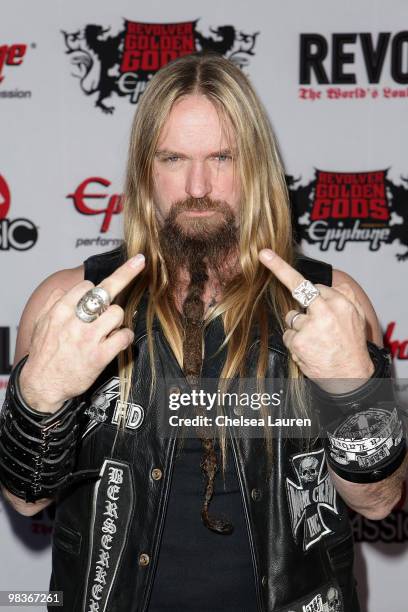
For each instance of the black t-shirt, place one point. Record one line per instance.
(198, 569)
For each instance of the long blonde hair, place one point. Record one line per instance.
(264, 216)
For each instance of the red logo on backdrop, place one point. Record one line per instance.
(340, 207)
(149, 46)
(19, 234)
(4, 198)
(11, 55)
(86, 197)
(350, 196)
(123, 64)
(398, 348)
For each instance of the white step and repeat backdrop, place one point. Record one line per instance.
(334, 79)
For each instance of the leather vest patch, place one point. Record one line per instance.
(105, 406)
(328, 599)
(312, 491)
(112, 508)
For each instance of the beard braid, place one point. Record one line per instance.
(193, 310)
(189, 251)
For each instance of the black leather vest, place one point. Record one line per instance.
(108, 530)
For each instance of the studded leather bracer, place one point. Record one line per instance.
(37, 449)
(363, 430)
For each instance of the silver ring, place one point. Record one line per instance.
(293, 319)
(92, 304)
(305, 293)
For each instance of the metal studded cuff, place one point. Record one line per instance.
(37, 449)
(363, 430)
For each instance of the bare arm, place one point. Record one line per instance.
(374, 501)
(63, 279)
(64, 358)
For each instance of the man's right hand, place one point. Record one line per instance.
(66, 355)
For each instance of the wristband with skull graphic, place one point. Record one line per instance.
(363, 429)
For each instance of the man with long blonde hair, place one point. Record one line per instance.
(207, 285)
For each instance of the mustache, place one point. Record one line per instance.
(201, 204)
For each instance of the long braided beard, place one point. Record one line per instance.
(181, 248)
(193, 310)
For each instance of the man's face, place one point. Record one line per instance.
(194, 165)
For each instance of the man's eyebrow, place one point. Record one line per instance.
(226, 151)
(170, 152)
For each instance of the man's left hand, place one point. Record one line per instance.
(328, 340)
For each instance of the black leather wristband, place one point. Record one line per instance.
(363, 429)
(37, 450)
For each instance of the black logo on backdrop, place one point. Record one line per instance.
(331, 61)
(124, 63)
(340, 207)
(393, 529)
(5, 352)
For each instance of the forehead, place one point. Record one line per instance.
(194, 126)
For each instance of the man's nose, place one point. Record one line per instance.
(198, 180)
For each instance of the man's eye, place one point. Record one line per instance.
(223, 158)
(171, 158)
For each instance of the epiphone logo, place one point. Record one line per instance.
(92, 198)
(11, 55)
